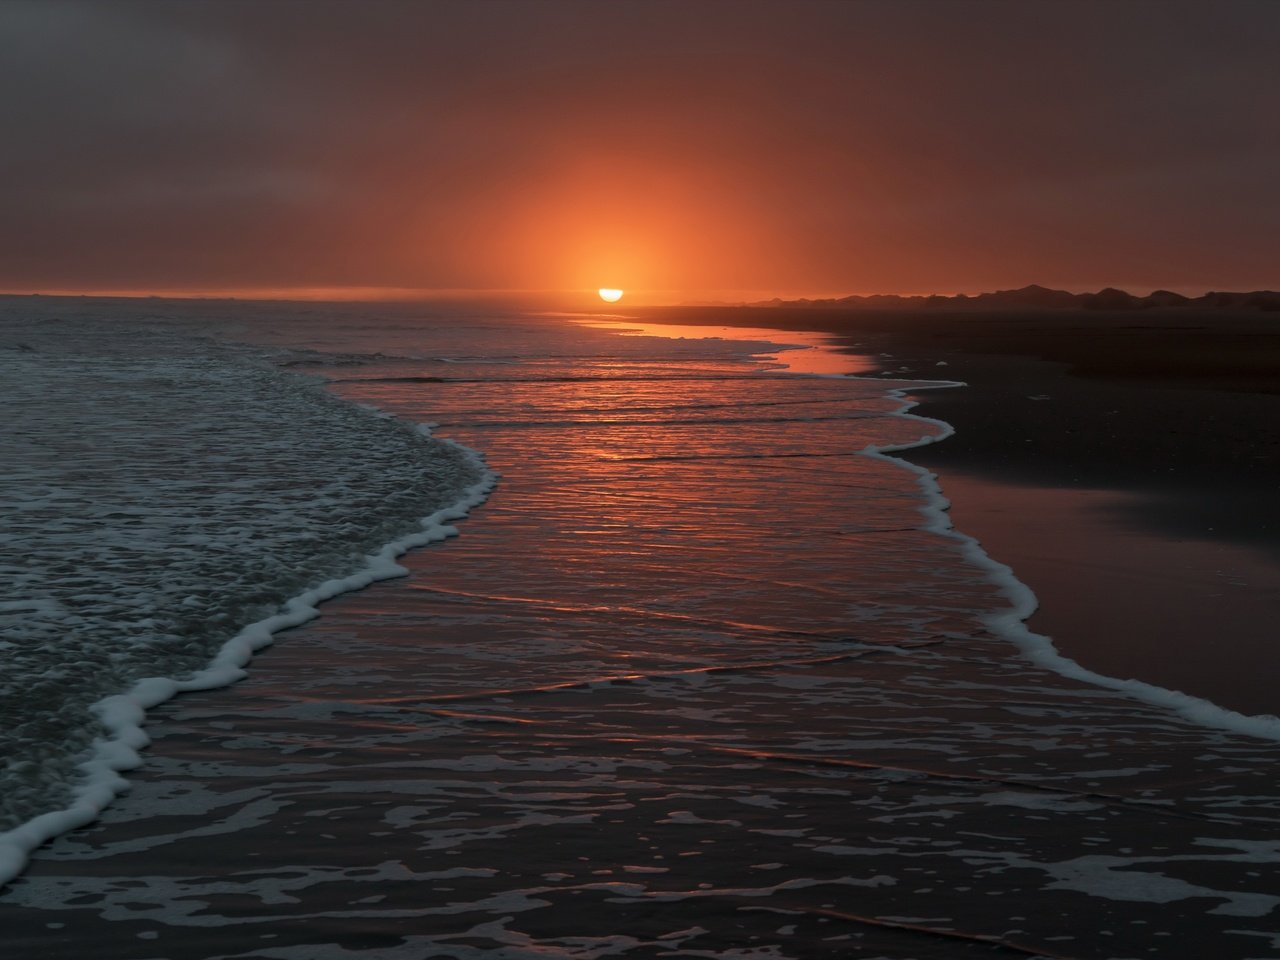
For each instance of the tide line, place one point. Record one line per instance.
(124, 714)
(1010, 624)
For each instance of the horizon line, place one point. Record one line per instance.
(384, 294)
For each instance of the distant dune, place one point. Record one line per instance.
(1035, 297)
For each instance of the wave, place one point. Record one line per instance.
(170, 506)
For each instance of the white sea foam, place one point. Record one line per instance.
(169, 507)
(1011, 623)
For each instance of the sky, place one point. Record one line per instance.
(686, 149)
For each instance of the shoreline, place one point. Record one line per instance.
(125, 714)
(628, 686)
(1153, 537)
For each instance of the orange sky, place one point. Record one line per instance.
(688, 150)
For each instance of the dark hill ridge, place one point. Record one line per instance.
(1036, 297)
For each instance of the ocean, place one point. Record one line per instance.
(692, 663)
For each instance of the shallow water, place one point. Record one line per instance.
(696, 681)
(160, 493)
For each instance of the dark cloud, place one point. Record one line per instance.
(795, 146)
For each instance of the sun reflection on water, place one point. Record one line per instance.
(798, 351)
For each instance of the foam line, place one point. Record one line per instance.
(123, 714)
(1010, 624)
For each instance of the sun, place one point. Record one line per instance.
(609, 295)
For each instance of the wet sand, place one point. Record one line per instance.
(1177, 415)
(1195, 615)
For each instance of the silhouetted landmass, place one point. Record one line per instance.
(1036, 297)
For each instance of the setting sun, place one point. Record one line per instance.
(610, 296)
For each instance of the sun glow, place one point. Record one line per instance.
(609, 295)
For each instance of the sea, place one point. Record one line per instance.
(403, 631)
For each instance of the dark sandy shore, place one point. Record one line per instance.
(1126, 465)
